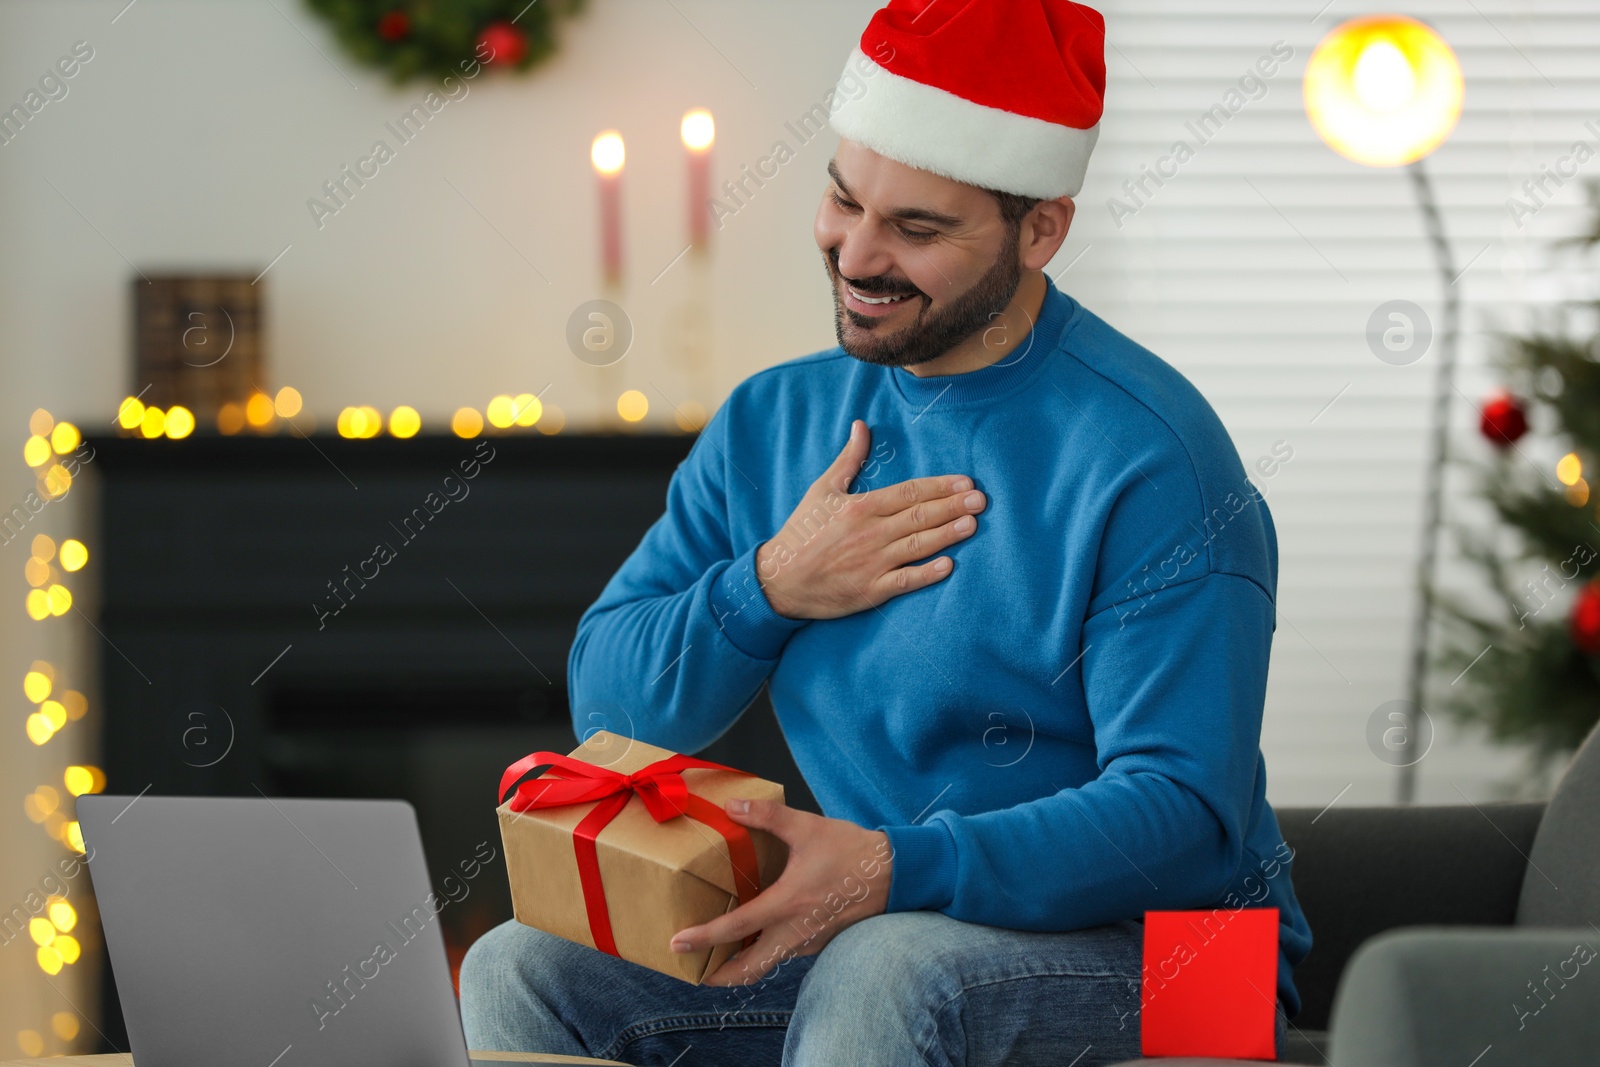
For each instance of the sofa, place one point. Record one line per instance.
(1457, 935)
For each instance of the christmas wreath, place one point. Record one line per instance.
(436, 38)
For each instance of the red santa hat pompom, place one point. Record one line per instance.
(1002, 94)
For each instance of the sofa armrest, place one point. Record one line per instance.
(1361, 871)
(1444, 996)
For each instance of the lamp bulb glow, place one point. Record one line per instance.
(1383, 79)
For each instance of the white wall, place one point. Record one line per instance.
(197, 133)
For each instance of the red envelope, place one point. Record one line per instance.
(1209, 983)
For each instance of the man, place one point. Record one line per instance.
(1015, 629)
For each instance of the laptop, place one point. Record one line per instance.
(273, 933)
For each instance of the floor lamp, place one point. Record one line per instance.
(1385, 91)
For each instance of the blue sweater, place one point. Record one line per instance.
(1066, 730)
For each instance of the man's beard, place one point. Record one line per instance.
(930, 336)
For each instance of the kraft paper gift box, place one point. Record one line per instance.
(603, 864)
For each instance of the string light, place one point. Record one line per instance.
(230, 418)
(55, 946)
(633, 405)
(64, 438)
(690, 416)
(552, 421)
(130, 415)
(527, 409)
(288, 402)
(258, 411)
(180, 422)
(404, 421)
(502, 412)
(154, 423)
(73, 554)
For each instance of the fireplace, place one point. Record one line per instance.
(258, 641)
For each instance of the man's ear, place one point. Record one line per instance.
(1044, 229)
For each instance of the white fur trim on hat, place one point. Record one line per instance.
(937, 131)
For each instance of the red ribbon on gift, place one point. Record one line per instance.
(666, 796)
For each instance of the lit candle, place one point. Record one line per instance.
(607, 154)
(698, 132)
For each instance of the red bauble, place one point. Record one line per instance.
(502, 45)
(1585, 621)
(1504, 419)
(394, 25)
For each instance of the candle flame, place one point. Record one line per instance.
(607, 153)
(698, 130)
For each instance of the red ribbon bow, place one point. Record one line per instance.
(666, 796)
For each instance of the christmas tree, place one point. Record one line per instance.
(1528, 671)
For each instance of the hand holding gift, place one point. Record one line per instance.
(837, 875)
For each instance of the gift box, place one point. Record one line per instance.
(619, 845)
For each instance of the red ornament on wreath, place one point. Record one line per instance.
(394, 25)
(1504, 419)
(505, 45)
(1585, 620)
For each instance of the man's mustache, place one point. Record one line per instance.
(880, 285)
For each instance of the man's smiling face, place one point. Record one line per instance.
(918, 262)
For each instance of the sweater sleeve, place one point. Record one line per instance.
(682, 637)
(1175, 691)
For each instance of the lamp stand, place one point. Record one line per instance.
(1443, 387)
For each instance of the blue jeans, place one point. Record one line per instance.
(902, 988)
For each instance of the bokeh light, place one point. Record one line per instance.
(38, 728)
(288, 402)
(76, 703)
(36, 685)
(502, 412)
(404, 421)
(258, 411)
(64, 438)
(62, 915)
(1383, 90)
(180, 422)
(690, 416)
(552, 420)
(73, 554)
(633, 405)
(527, 409)
(37, 605)
(230, 418)
(36, 451)
(466, 422)
(130, 414)
(83, 779)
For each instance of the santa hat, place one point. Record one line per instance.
(1002, 94)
